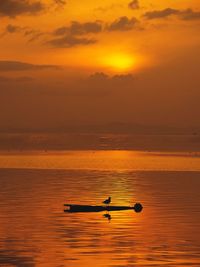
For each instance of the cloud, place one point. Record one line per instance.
(77, 28)
(107, 8)
(30, 33)
(100, 78)
(122, 24)
(158, 14)
(61, 31)
(69, 36)
(34, 35)
(6, 66)
(134, 4)
(73, 35)
(12, 28)
(13, 8)
(84, 28)
(123, 78)
(60, 2)
(189, 14)
(71, 41)
(103, 76)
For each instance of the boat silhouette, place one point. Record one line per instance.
(91, 208)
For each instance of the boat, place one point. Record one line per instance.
(91, 208)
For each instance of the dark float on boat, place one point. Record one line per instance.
(88, 208)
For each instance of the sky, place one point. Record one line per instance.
(94, 62)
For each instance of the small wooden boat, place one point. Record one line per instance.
(88, 208)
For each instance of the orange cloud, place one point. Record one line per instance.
(13, 8)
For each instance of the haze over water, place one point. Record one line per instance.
(34, 230)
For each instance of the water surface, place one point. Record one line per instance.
(34, 230)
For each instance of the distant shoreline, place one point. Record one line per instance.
(44, 142)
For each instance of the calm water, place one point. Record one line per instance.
(34, 230)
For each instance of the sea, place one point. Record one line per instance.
(36, 232)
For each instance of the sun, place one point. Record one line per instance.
(119, 62)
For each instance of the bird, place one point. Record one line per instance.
(107, 201)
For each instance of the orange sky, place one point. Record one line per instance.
(156, 42)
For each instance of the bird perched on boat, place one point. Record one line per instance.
(107, 201)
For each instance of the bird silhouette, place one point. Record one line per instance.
(107, 201)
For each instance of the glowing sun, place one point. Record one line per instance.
(119, 62)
